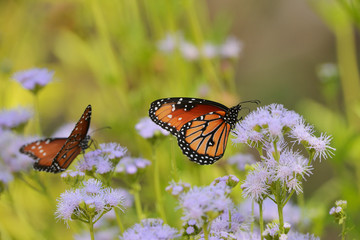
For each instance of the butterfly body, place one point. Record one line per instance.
(201, 126)
(56, 154)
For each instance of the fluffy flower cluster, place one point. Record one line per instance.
(273, 122)
(13, 118)
(204, 203)
(102, 160)
(34, 79)
(176, 188)
(130, 165)
(339, 211)
(289, 170)
(150, 229)
(231, 48)
(148, 129)
(89, 202)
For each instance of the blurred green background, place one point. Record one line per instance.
(105, 53)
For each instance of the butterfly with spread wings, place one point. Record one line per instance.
(201, 126)
(56, 154)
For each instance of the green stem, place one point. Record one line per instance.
(91, 226)
(261, 219)
(348, 67)
(135, 191)
(206, 230)
(252, 216)
(206, 63)
(37, 115)
(343, 231)
(280, 213)
(118, 220)
(158, 196)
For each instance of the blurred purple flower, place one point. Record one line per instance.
(299, 236)
(89, 201)
(240, 160)
(229, 181)
(14, 117)
(189, 51)
(170, 42)
(10, 143)
(34, 79)
(236, 222)
(130, 165)
(210, 50)
(231, 48)
(198, 202)
(113, 150)
(176, 188)
(100, 234)
(148, 129)
(150, 229)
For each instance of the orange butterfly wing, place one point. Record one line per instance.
(55, 155)
(201, 126)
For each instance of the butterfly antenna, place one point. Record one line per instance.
(99, 129)
(257, 102)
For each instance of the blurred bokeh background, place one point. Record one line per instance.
(120, 55)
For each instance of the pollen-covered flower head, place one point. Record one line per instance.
(148, 129)
(34, 79)
(15, 117)
(150, 229)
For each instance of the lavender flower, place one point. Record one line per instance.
(129, 165)
(229, 181)
(272, 231)
(204, 203)
(150, 229)
(327, 71)
(72, 178)
(10, 143)
(210, 50)
(231, 48)
(148, 129)
(230, 222)
(89, 202)
(189, 51)
(14, 117)
(338, 212)
(102, 160)
(113, 150)
(300, 236)
(176, 188)
(34, 79)
(103, 234)
(241, 160)
(255, 185)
